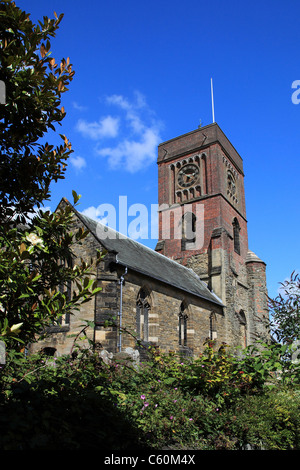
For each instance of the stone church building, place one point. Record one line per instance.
(201, 281)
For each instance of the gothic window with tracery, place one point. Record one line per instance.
(183, 320)
(236, 236)
(213, 326)
(142, 315)
(243, 323)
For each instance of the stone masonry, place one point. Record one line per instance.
(202, 168)
(184, 292)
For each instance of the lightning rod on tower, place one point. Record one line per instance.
(212, 99)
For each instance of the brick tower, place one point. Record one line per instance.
(202, 225)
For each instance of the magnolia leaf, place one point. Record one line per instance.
(95, 291)
(76, 196)
(43, 50)
(52, 63)
(36, 278)
(60, 85)
(22, 248)
(16, 327)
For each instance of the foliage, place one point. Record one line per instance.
(34, 87)
(165, 402)
(35, 246)
(285, 311)
(193, 402)
(47, 404)
(270, 421)
(219, 400)
(35, 269)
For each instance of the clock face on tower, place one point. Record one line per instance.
(231, 184)
(188, 175)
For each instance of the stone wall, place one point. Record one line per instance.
(241, 286)
(164, 300)
(165, 303)
(221, 260)
(258, 299)
(61, 338)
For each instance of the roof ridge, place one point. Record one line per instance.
(145, 247)
(189, 278)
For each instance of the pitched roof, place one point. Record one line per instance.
(253, 258)
(142, 259)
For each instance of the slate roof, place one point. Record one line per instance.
(144, 260)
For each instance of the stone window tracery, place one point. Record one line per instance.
(243, 323)
(183, 320)
(236, 236)
(212, 326)
(142, 315)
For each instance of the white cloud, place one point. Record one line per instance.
(133, 109)
(137, 130)
(104, 213)
(132, 154)
(118, 100)
(78, 106)
(105, 127)
(140, 150)
(78, 162)
(92, 212)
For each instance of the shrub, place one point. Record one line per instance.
(82, 402)
(270, 421)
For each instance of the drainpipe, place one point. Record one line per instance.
(120, 311)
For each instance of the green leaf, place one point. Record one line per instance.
(76, 196)
(169, 380)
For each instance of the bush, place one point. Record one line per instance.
(214, 402)
(60, 404)
(270, 421)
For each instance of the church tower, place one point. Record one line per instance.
(203, 225)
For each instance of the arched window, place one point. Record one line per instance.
(231, 185)
(48, 351)
(213, 326)
(142, 315)
(188, 227)
(204, 173)
(236, 236)
(243, 323)
(183, 319)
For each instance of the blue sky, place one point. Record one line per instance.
(143, 73)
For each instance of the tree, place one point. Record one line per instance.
(34, 86)
(36, 247)
(285, 311)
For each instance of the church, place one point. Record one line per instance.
(200, 283)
